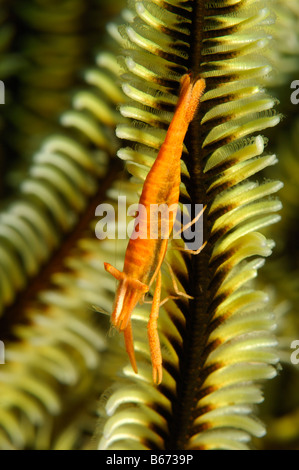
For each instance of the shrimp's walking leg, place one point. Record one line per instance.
(153, 337)
(128, 336)
(169, 297)
(192, 222)
(185, 227)
(191, 252)
(175, 286)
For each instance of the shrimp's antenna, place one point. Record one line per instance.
(100, 310)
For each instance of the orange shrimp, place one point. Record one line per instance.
(144, 255)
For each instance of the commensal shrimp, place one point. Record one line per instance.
(144, 255)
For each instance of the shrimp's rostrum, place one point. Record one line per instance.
(144, 255)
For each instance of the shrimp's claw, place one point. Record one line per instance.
(153, 337)
(129, 292)
(129, 343)
(157, 374)
(113, 271)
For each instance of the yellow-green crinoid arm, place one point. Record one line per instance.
(218, 347)
(49, 275)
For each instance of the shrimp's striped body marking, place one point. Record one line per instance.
(144, 255)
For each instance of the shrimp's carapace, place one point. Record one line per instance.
(144, 255)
